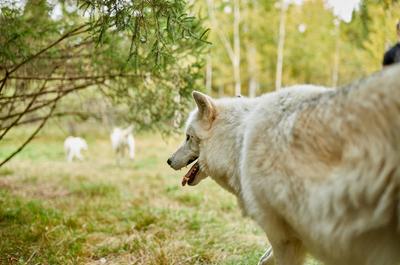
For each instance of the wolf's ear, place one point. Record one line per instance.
(206, 106)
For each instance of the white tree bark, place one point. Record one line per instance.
(251, 50)
(336, 58)
(209, 75)
(252, 69)
(236, 46)
(221, 90)
(281, 44)
(233, 51)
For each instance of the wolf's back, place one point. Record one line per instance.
(348, 143)
(353, 136)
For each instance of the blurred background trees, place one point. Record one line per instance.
(93, 57)
(319, 47)
(136, 62)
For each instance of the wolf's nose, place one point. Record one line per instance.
(169, 161)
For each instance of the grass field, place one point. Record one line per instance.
(95, 212)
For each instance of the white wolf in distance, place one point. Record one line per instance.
(122, 140)
(73, 147)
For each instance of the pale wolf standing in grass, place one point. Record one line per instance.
(73, 146)
(317, 169)
(122, 139)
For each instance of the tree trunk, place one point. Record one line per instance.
(209, 74)
(281, 44)
(335, 70)
(252, 70)
(236, 46)
(233, 51)
(221, 91)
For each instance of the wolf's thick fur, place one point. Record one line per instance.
(317, 169)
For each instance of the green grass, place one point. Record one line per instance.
(31, 232)
(53, 212)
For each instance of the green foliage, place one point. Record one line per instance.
(309, 55)
(311, 43)
(123, 43)
(381, 31)
(143, 57)
(154, 26)
(161, 45)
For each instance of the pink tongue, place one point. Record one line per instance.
(191, 174)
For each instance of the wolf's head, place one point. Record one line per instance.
(198, 129)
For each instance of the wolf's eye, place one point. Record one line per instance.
(187, 137)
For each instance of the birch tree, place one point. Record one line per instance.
(232, 48)
(281, 44)
(336, 56)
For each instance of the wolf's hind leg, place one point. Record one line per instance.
(289, 253)
(267, 258)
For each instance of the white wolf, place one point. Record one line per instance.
(122, 139)
(73, 146)
(317, 169)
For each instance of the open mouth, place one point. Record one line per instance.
(191, 174)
